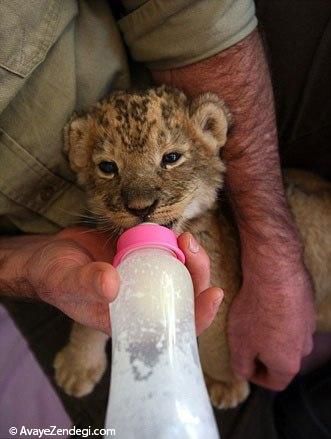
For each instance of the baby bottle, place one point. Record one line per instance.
(157, 387)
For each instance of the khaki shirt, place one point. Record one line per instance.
(58, 56)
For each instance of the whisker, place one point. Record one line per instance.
(87, 231)
(77, 214)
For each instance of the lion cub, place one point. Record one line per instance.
(155, 156)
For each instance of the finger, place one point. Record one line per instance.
(242, 360)
(272, 380)
(94, 281)
(206, 307)
(275, 378)
(308, 345)
(197, 262)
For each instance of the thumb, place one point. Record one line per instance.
(97, 281)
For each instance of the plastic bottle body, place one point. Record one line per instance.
(157, 386)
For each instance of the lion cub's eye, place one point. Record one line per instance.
(171, 157)
(108, 167)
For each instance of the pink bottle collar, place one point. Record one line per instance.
(147, 235)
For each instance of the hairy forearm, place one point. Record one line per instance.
(240, 76)
(14, 254)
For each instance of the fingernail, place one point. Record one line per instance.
(217, 302)
(194, 247)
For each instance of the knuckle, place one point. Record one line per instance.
(279, 386)
(69, 254)
(293, 368)
(52, 263)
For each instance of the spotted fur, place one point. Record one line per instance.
(135, 130)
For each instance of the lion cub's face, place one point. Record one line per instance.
(152, 156)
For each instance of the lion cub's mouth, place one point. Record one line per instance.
(170, 224)
(149, 219)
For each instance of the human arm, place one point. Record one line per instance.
(271, 320)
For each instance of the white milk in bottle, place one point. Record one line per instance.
(157, 387)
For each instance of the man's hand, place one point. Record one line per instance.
(272, 316)
(270, 331)
(72, 271)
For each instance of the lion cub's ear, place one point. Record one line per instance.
(212, 118)
(77, 141)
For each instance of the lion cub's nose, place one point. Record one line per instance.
(141, 208)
